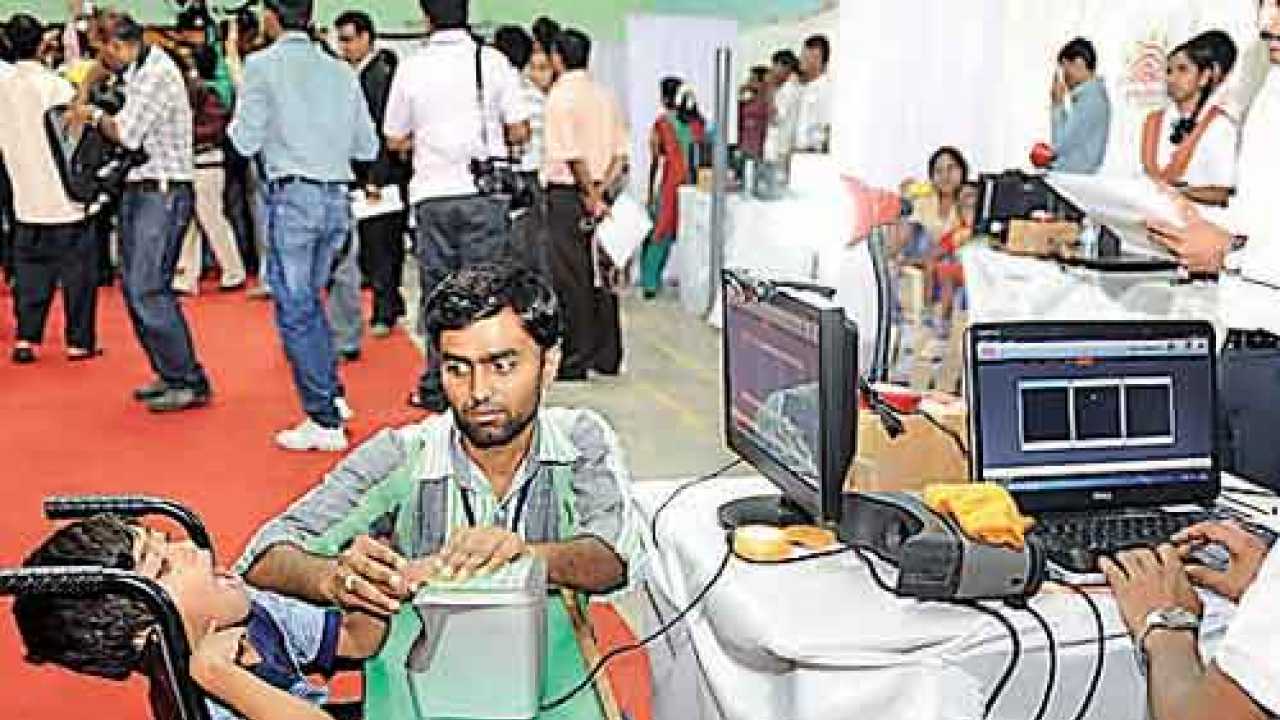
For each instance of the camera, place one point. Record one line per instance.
(497, 177)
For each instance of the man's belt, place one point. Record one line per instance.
(1252, 340)
(278, 183)
(151, 185)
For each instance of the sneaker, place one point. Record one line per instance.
(151, 390)
(260, 292)
(177, 400)
(379, 330)
(349, 356)
(310, 436)
(344, 408)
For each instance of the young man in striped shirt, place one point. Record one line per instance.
(465, 492)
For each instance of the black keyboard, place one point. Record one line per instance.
(1075, 541)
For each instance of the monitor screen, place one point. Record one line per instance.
(790, 372)
(1094, 410)
(773, 366)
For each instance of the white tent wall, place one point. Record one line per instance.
(662, 45)
(975, 74)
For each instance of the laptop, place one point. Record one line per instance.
(1104, 432)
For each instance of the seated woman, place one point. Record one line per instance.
(1191, 144)
(937, 216)
(943, 271)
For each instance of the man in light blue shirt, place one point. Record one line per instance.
(1080, 133)
(303, 116)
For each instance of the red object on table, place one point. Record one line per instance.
(900, 398)
(1042, 154)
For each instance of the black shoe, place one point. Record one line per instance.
(431, 402)
(178, 399)
(24, 355)
(571, 375)
(150, 391)
(349, 355)
(650, 294)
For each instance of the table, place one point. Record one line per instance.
(1003, 287)
(819, 640)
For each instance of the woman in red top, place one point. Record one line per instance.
(677, 128)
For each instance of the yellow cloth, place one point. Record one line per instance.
(986, 512)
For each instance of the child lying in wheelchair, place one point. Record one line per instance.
(251, 650)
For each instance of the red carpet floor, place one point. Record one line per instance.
(73, 428)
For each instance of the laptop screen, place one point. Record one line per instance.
(1071, 416)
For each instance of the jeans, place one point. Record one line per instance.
(454, 233)
(344, 297)
(309, 223)
(152, 226)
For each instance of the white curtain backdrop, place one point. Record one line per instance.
(917, 74)
(662, 45)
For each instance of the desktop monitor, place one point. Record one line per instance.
(790, 396)
(1075, 416)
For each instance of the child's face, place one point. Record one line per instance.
(202, 595)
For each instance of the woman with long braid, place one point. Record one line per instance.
(1190, 144)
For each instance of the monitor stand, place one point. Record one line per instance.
(775, 510)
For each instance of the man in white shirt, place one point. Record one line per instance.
(52, 242)
(1242, 245)
(1152, 588)
(813, 123)
(436, 110)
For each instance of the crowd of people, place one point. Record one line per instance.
(485, 148)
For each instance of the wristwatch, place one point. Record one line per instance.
(1166, 618)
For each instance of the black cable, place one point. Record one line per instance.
(955, 437)
(666, 627)
(871, 570)
(1053, 660)
(1102, 651)
(1015, 652)
(653, 522)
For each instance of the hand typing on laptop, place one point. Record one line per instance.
(1245, 552)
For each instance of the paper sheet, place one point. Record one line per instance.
(624, 230)
(389, 202)
(1123, 204)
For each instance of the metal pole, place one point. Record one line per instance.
(720, 170)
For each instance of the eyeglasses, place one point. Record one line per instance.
(346, 38)
(1268, 36)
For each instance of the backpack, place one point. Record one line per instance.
(92, 167)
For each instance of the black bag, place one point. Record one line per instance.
(608, 356)
(92, 167)
(498, 176)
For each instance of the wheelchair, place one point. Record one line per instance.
(172, 694)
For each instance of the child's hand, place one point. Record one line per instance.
(215, 652)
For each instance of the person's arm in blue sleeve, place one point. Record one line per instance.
(1080, 137)
(248, 127)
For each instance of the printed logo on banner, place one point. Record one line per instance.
(1144, 81)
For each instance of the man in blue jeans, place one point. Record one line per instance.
(303, 114)
(155, 210)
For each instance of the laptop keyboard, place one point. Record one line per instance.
(1075, 541)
